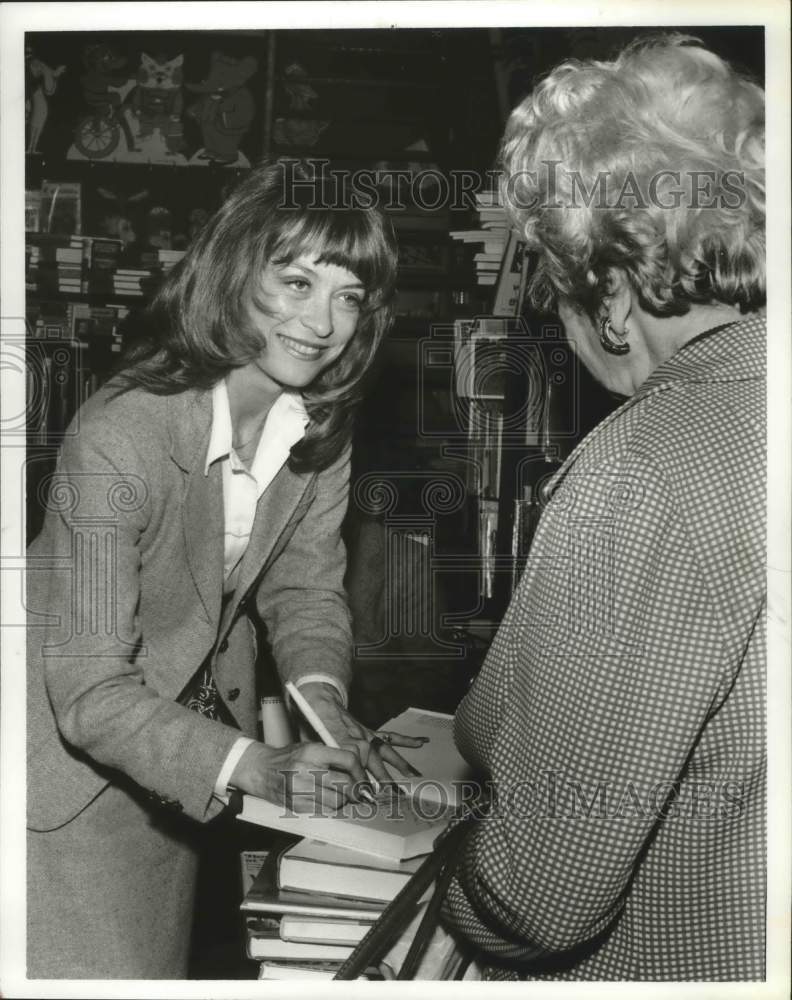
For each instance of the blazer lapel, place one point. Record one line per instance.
(202, 509)
(274, 509)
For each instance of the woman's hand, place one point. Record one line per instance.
(324, 699)
(302, 776)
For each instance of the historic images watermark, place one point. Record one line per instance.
(552, 186)
(549, 186)
(551, 795)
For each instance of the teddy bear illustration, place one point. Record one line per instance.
(158, 100)
(225, 108)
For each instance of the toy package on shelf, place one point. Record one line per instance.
(61, 208)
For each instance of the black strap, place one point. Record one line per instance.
(439, 865)
(429, 922)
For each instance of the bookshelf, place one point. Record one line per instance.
(410, 107)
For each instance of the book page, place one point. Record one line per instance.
(444, 772)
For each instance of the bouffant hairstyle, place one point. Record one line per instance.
(198, 327)
(653, 164)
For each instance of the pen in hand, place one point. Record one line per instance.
(320, 728)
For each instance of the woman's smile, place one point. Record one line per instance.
(306, 313)
(300, 349)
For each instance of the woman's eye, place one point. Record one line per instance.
(353, 301)
(298, 284)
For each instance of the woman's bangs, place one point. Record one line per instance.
(346, 239)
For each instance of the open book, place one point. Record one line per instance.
(395, 827)
(445, 773)
(391, 827)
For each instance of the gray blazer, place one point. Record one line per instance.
(124, 604)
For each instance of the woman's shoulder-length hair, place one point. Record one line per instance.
(652, 163)
(198, 328)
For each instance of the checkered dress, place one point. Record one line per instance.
(621, 710)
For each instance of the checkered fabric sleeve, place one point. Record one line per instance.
(619, 713)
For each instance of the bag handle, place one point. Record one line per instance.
(429, 921)
(440, 865)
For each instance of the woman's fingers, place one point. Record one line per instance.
(338, 759)
(303, 775)
(375, 766)
(323, 792)
(400, 740)
(390, 756)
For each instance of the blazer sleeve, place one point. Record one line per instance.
(604, 674)
(301, 597)
(93, 657)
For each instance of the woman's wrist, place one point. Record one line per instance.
(254, 772)
(321, 691)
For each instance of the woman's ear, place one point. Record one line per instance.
(619, 300)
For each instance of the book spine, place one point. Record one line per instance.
(507, 295)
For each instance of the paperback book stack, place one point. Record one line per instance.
(105, 253)
(70, 262)
(167, 258)
(56, 264)
(490, 237)
(318, 894)
(502, 260)
(127, 281)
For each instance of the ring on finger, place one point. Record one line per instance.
(383, 738)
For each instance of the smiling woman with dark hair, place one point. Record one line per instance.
(206, 315)
(203, 485)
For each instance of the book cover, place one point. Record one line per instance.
(303, 930)
(250, 864)
(313, 866)
(269, 944)
(308, 970)
(265, 897)
(391, 827)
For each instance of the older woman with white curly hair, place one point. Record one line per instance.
(620, 711)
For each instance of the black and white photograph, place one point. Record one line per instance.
(395, 499)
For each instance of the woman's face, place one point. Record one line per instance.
(306, 312)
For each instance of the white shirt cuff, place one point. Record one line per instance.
(231, 761)
(324, 679)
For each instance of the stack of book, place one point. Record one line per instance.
(105, 252)
(127, 280)
(312, 903)
(502, 260)
(492, 236)
(72, 278)
(167, 258)
(317, 895)
(32, 265)
(56, 264)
